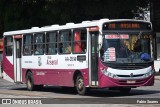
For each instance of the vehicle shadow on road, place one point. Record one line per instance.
(116, 93)
(92, 92)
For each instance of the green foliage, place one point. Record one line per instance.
(24, 14)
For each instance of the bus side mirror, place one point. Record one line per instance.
(100, 41)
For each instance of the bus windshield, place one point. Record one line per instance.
(126, 48)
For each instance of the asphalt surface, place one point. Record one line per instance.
(100, 97)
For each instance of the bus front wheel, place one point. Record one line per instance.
(81, 89)
(30, 81)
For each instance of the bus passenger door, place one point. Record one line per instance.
(93, 59)
(17, 58)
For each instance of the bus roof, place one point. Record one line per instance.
(67, 26)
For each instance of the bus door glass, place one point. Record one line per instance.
(93, 70)
(157, 52)
(17, 58)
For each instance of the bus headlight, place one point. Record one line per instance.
(149, 73)
(111, 75)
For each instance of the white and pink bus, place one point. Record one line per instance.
(114, 54)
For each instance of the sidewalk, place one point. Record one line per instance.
(157, 77)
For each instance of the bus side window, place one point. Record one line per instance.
(51, 45)
(27, 44)
(65, 42)
(9, 46)
(60, 48)
(80, 38)
(83, 46)
(77, 43)
(39, 44)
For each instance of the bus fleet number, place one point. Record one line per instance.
(70, 58)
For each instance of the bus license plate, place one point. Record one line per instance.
(131, 81)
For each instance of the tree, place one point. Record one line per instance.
(24, 14)
(2, 14)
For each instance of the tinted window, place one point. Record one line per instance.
(51, 45)
(27, 41)
(39, 44)
(65, 42)
(9, 46)
(79, 41)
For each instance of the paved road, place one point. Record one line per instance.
(98, 96)
(58, 92)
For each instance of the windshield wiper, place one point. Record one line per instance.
(140, 34)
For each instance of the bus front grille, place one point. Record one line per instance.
(128, 66)
(130, 76)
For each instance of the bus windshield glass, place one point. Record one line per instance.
(126, 48)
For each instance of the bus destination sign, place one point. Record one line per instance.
(126, 26)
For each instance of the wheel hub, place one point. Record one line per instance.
(80, 84)
(29, 83)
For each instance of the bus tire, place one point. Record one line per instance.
(30, 82)
(125, 90)
(81, 89)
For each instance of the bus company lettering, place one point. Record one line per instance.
(51, 61)
(27, 61)
(40, 73)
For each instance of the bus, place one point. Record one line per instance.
(112, 54)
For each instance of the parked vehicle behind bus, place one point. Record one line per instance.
(1, 57)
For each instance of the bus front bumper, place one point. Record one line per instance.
(106, 82)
